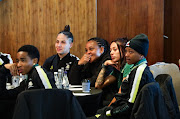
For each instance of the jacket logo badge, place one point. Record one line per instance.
(51, 67)
(30, 84)
(67, 66)
(128, 44)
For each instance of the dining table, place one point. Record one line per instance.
(89, 101)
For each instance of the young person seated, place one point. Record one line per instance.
(63, 58)
(26, 63)
(89, 66)
(120, 70)
(121, 105)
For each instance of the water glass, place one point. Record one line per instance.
(85, 85)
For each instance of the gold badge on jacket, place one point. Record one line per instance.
(51, 67)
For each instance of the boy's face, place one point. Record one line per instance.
(24, 62)
(132, 56)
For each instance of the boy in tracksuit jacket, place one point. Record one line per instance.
(26, 63)
(121, 105)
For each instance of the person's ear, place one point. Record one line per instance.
(102, 50)
(35, 61)
(142, 56)
(71, 44)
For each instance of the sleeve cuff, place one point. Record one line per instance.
(104, 66)
(4, 70)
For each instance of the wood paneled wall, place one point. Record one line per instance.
(172, 30)
(37, 22)
(127, 18)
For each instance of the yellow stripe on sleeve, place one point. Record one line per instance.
(43, 77)
(1, 61)
(136, 82)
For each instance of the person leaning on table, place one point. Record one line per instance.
(26, 63)
(122, 103)
(120, 70)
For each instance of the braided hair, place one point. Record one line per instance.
(101, 43)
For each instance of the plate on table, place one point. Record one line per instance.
(75, 86)
(81, 94)
(74, 89)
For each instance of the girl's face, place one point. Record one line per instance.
(93, 50)
(62, 45)
(115, 54)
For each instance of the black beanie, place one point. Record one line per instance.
(139, 43)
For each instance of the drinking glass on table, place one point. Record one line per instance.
(85, 85)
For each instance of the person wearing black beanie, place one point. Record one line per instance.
(139, 43)
(136, 51)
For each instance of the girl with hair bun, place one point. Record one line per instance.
(63, 58)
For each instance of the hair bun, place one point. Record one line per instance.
(67, 28)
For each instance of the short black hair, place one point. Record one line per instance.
(32, 51)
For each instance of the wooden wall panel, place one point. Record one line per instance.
(172, 30)
(167, 30)
(155, 30)
(38, 22)
(175, 54)
(112, 19)
(121, 18)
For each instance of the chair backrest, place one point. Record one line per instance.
(47, 104)
(166, 85)
(149, 103)
(171, 69)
